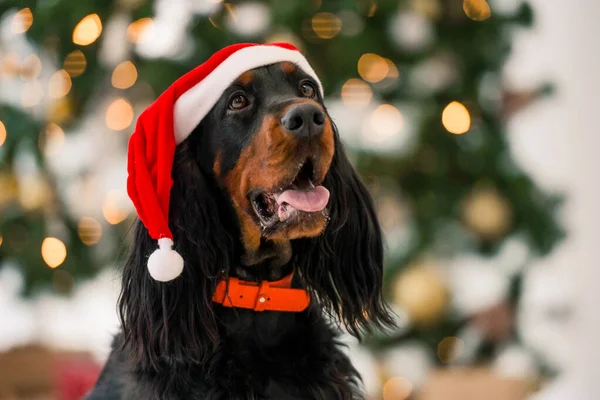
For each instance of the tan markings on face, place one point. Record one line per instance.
(217, 165)
(270, 161)
(288, 67)
(246, 78)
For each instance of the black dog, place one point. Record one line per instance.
(269, 129)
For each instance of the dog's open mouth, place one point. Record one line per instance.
(300, 197)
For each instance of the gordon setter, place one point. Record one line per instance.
(250, 202)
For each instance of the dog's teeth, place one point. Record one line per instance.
(312, 185)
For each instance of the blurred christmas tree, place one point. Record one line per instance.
(415, 87)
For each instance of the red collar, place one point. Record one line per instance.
(269, 296)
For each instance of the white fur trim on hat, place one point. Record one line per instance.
(165, 264)
(193, 105)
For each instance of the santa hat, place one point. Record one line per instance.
(169, 121)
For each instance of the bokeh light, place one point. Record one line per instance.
(456, 118)
(32, 94)
(54, 252)
(352, 23)
(59, 84)
(356, 93)
(87, 30)
(75, 63)
(137, 28)
(31, 67)
(52, 140)
(449, 349)
(392, 69)
(386, 121)
(34, 192)
(487, 213)
(372, 67)
(326, 25)
(3, 133)
(59, 110)
(22, 21)
(124, 75)
(422, 292)
(112, 210)
(10, 64)
(89, 231)
(477, 10)
(397, 388)
(119, 114)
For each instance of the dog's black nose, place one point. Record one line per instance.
(304, 120)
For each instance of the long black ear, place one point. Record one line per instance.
(174, 321)
(344, 266)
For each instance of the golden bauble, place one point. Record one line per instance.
(487, 213)
(477, 10)
(421, 291)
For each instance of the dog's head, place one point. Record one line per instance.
(263, 177)
(271, 144)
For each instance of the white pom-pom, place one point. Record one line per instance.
(165, 264)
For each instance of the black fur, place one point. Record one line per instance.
(177, 344)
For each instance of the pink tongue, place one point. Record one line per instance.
(311, 200)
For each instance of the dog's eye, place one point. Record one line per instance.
(308, 90)
(238, 102)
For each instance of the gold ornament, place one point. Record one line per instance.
(487, 213)
(477, 10)
(422, 293)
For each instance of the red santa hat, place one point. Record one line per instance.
(169, 121)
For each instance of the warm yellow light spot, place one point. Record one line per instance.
(124, 75)
(456, 118)
(89, 231)
(111, 209)
(449, 349)
(137, 28)
(34, 192)
(386, 121)
(75, 63)
(1, 240)
(32, 94)
(392, 69)
(10, 64)
(477, 10)
(326, 25)
(59, 110)
(3, 133)
(54, 252)
(87, 30)
(59, 84)
(31, 67)
(397, 388)
(119, 114)
(372, 67)
(356, 93)
(22, 21)
(53, 139)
